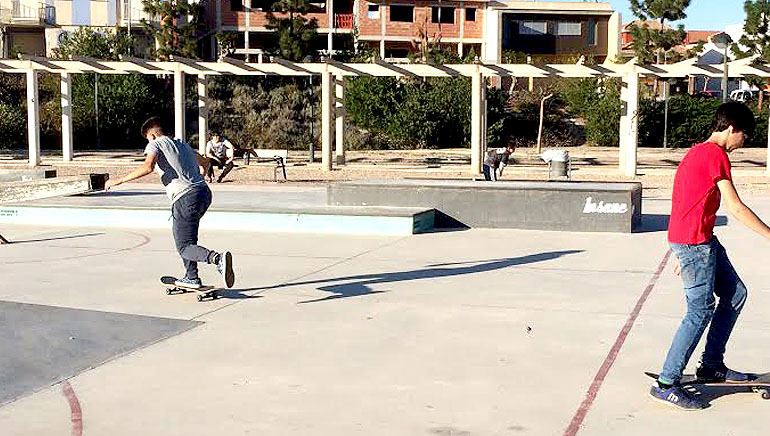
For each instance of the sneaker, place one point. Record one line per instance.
(225, 267)
(720, 373)
(676, 396)
(189, 283)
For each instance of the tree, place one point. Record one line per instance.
(176, 30)
(295, 33)
(108, 45)
(755, 39)
(654, 44)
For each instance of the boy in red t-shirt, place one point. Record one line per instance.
(702, 179)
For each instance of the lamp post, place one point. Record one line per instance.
(722, 40)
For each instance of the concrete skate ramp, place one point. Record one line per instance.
(569, 206)
(42, 345)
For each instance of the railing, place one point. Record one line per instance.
(343, 21)
(21, 13)
(134, 14)
(48, 14)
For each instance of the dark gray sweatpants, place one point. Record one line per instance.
(187, 212)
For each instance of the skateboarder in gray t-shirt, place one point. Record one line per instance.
(181, 171)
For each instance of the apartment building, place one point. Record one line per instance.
(23, 24)
(35, 27)
(552, 29)
(488, 28)
(72, 14)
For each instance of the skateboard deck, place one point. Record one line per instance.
(203, 292)
(759, 384)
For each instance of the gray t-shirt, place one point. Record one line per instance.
(176, 165)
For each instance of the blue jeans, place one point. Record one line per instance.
(187, 212)
(706, 272)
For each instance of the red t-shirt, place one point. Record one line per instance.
(696, 198)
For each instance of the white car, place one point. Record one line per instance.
(741, 95)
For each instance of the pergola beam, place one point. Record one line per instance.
(334, 72)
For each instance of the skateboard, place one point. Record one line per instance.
(203, 292)
(759, 384)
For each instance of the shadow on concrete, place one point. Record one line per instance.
(131, 193)
(236, 294)
(85, 235)
(445, 223)
(659, 223)
(359, 285)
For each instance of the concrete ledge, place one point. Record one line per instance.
(378, 220)
(27, 174)
(54, 187)
(571, 206)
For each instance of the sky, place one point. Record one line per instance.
(701, 15)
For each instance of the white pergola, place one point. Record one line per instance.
(333, 75)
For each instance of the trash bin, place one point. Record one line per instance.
(558, 163)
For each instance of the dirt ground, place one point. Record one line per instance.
(656, 166)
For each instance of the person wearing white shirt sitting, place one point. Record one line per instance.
(221, 153)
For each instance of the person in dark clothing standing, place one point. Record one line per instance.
(181, 171)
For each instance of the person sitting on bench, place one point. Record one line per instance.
(221, 153)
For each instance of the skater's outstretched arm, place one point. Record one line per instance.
(739, 210)
(141, 171)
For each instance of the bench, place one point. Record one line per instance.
(278, 157)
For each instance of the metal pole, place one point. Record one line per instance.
(665, 113)
(96, 108)
(725, 76)
(312, 123)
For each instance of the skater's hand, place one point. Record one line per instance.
(110, 183)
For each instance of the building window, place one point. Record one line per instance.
(444, 15)
(470, 14)
(236, 5)
(591, 37)
(373, 12)
(402, 13)
(564, 28)
(533, 27)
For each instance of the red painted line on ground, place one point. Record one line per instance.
(593, 390)
(76, 414)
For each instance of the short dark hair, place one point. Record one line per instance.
(734, 114)
(152, 123)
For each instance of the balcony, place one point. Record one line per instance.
(343, 21)
(25, 15)
(133, 14)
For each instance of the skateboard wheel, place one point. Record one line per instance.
(765, 395)
(200, 297)
(168, 291)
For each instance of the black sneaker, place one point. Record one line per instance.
(225, 267)
(720, 373)
(676, 396)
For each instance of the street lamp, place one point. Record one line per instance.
(722, 40)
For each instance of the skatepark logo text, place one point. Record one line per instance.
(602, 207)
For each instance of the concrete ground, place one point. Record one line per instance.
(476, 332)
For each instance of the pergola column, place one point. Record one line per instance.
(340, 120)
(327, 119)
(203, 113)
(179, 115)
(33, 119)
(629, 124)
(477, 120)
(66, 117)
